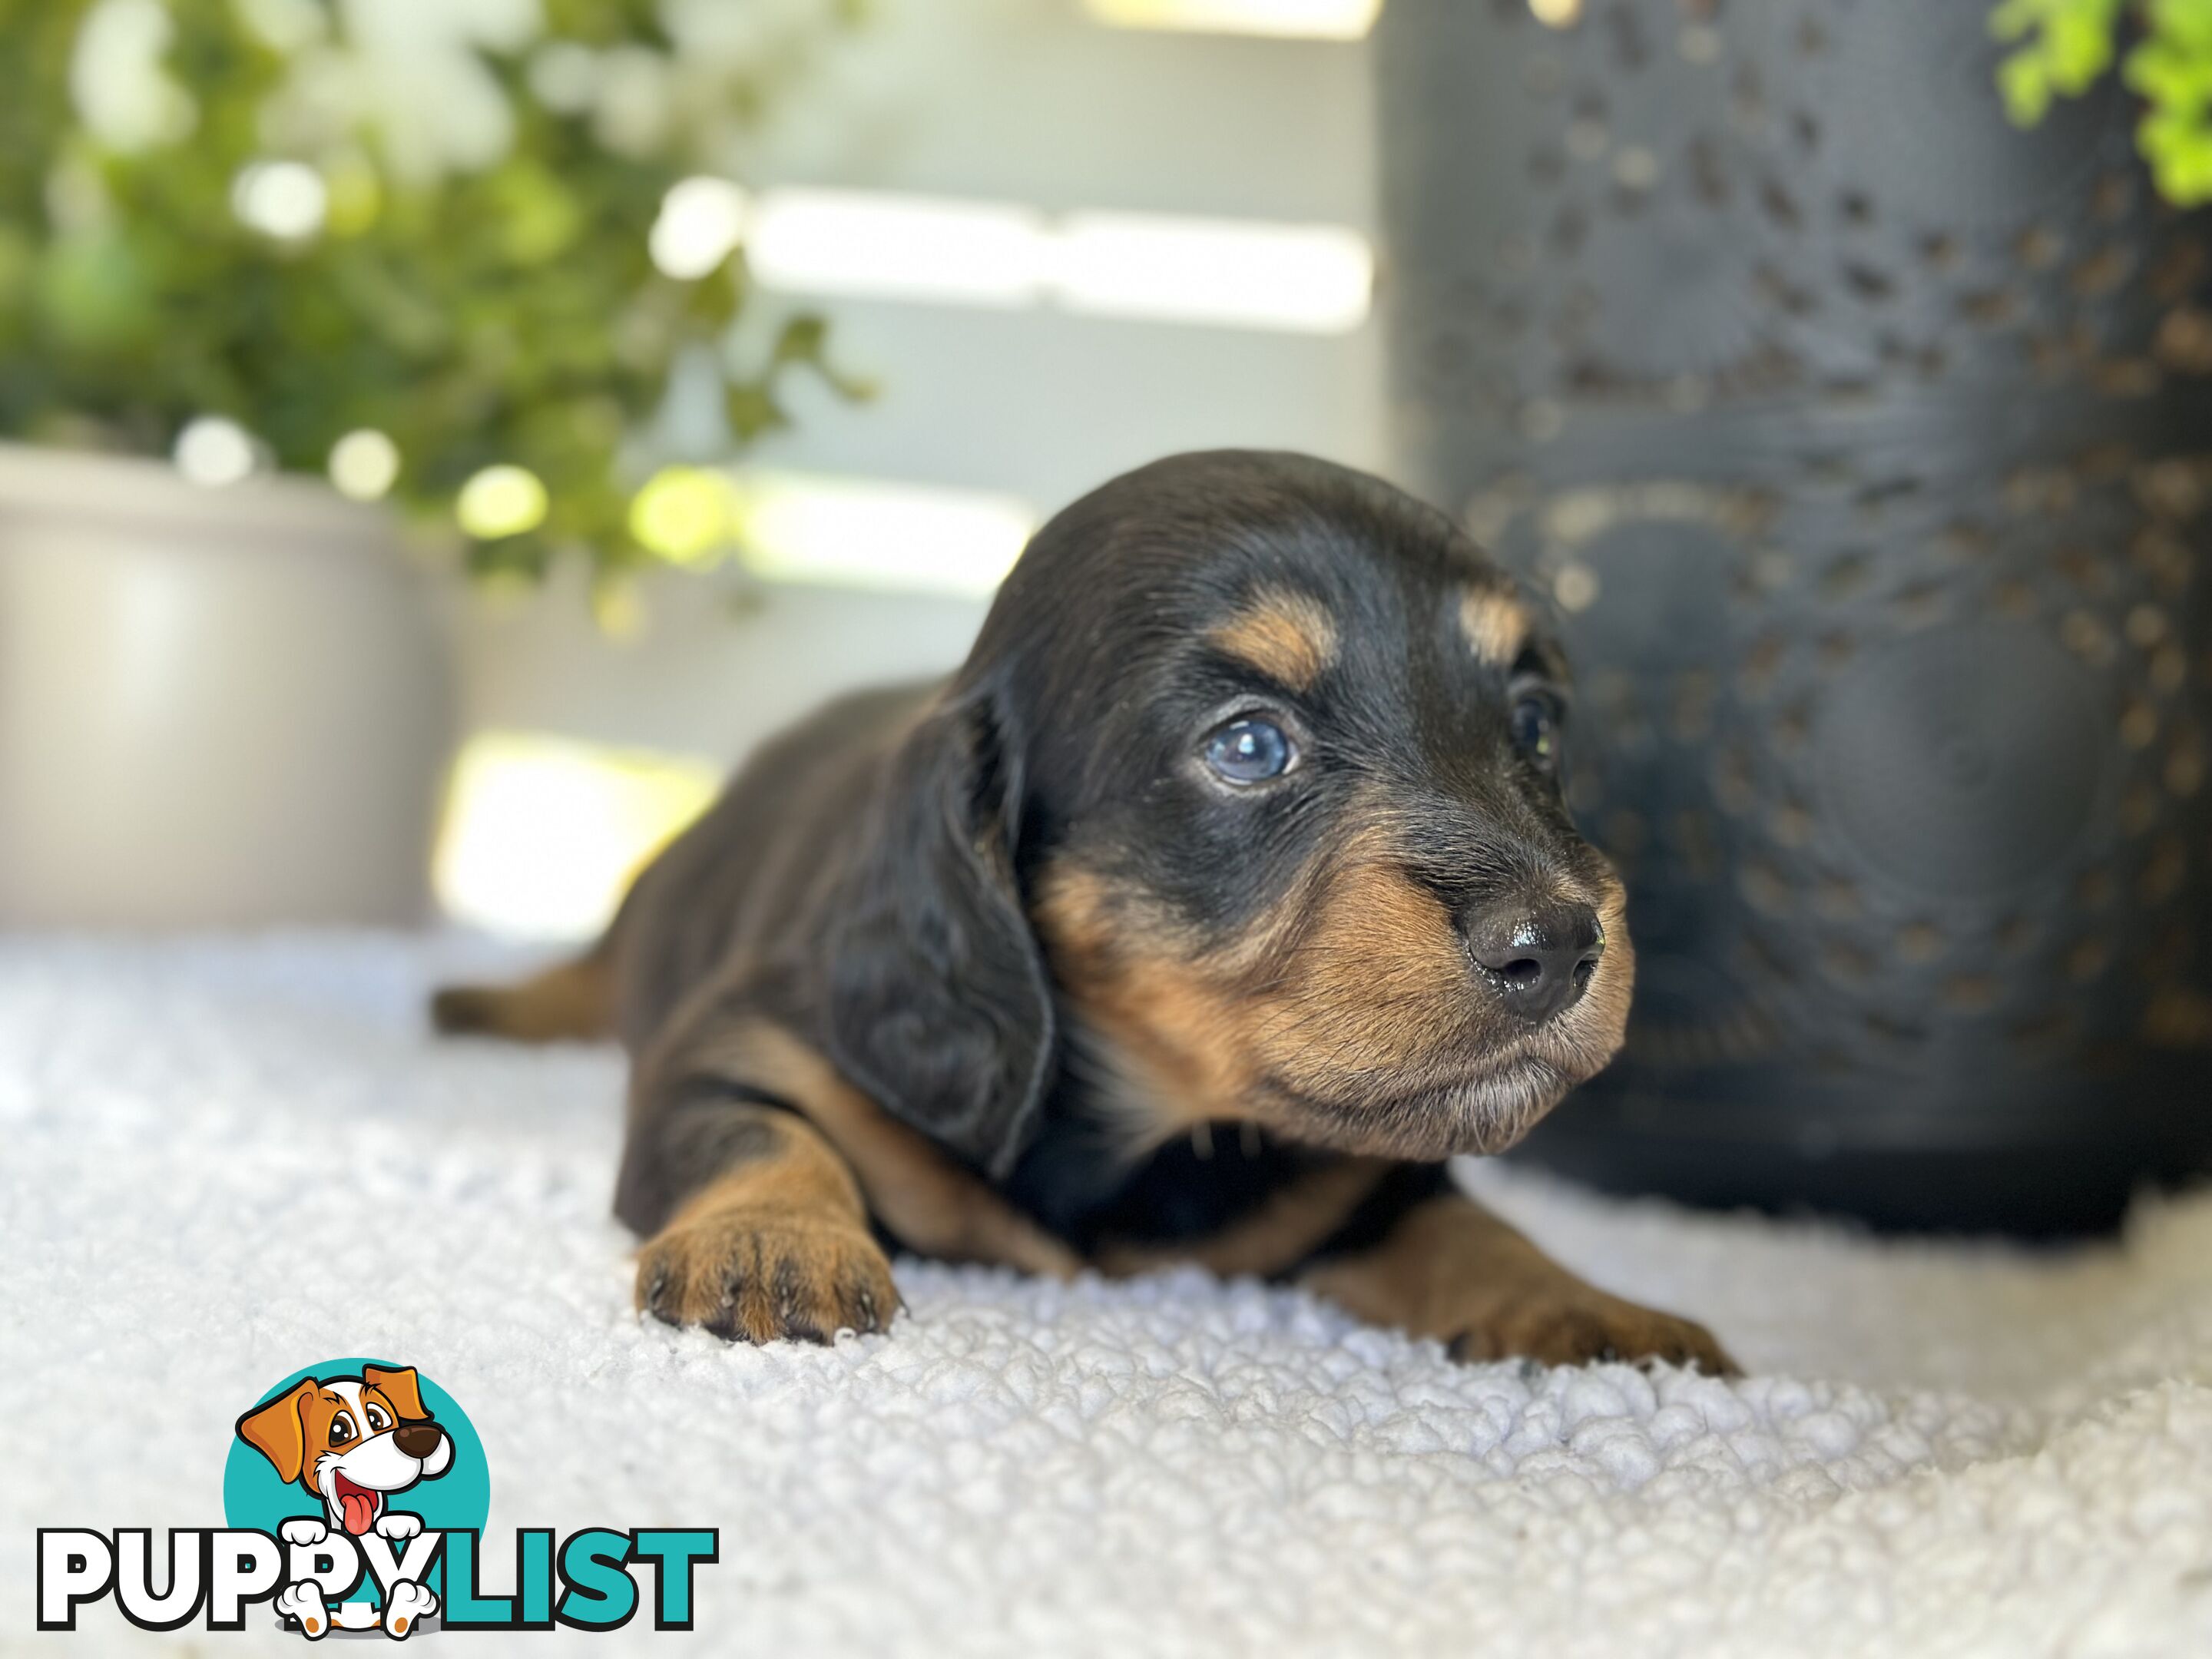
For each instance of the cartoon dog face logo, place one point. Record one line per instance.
(352, 1442)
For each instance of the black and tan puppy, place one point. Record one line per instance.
(1225, 892)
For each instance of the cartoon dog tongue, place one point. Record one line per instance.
(358, 1507)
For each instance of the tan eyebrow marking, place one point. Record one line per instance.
(1495, 624)
(1286, 636)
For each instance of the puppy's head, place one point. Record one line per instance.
(350, 1440)
(1255, 766)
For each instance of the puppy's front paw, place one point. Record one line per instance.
(755, 1274)
(303, 1602)
(404, 1610)
(303, 1530)
(1577, 1324)
(398, 1523)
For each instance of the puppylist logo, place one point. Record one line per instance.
(356, 1497)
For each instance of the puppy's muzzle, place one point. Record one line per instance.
(1538, 958)
(417, 1440)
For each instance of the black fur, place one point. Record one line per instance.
(934, 998)
(865, 881)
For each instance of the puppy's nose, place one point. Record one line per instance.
(417, 1440)
(1540, 958)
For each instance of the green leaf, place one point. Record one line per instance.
(2024, 80)
(2064, 47)
(2172, 69)
(93, 291)
(804, 341)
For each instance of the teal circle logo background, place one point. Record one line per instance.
(254, 1495)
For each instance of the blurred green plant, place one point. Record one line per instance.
(2061, 48)
(204, 211)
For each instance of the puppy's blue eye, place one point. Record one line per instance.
(1250, 751)
(1536, 729)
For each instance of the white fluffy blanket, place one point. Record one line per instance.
(221, 1161)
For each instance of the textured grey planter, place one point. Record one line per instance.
(1866, 444)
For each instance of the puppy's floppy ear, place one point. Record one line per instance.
(278, 1430)
(937, 1004)
(401, 1388)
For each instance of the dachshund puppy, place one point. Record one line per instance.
(1225, 892)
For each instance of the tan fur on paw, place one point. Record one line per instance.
(1581, 1325)
(758, 1273)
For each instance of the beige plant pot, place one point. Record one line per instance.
(218, 708)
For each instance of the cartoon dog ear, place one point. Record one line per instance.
(402, 1387)
(278, 1430)
(938, 1003)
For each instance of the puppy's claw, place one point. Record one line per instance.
(767, 1274)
